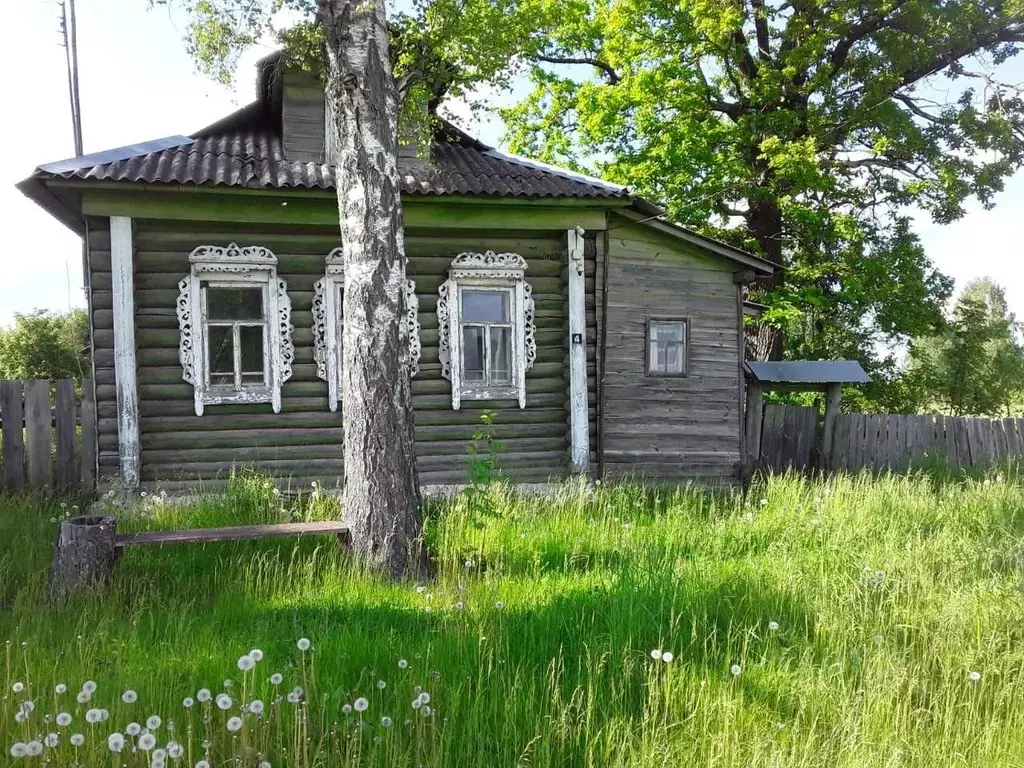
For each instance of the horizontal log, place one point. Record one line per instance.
(237, 533)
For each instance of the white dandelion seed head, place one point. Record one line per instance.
(424, 698)
(735, 669)
(416, 703)
(815, 521)
(159, 756)
(263, 764)
(303, 644)
(18, 687)
(773, 626)
(104, 715)
(20, 716)
(667, 657)
(83, 697)
(146, 742)
(256, 707)
(228, 683)
(93, 716)
(223, 701)
(153, 722)
(19, 749)
(974, 676)
(175, 750)
(656, 654)
(89, 687)
(129, 696)
(499, 605)
(203, 695)
(426, 711)
(51, 740)
(202, 764)
(386, 721)
(420, 590)
(360, 704)
(347, 709)
(245, 663)
(459, 605)
(292, 698)
(28, 706)
(234, 724)
(879, 640)
(402, 663)
(77, 739)
(187, 702)
(256, 654)
(60, 688)
(64, 719)
(35, 748)
(133, 729)
(276, 678)
(115, 742)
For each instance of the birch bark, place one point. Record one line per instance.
(382, 504)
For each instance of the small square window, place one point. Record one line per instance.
(667, 344)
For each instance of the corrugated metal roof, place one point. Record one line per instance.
(808, 372)
(254, 159)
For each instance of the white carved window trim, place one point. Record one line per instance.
(232, 266)
(328, 325)
(486, 270)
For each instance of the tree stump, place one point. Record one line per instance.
(84, 554)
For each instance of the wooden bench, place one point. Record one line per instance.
(88, 546)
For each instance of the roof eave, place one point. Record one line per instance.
(36, 190)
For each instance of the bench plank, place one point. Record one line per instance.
(237, 533)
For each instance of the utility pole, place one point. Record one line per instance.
(69, 30)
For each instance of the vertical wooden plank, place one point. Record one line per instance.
(12, 415)
(840, 443)
(1002, 443)
(833, 406)
(892, 450)
(857, 442)
(979, 453)
(122, 275)
(755, 423)
(88, 476)
(963, 446)
(67, 470)
(38, 431)
(579, 418)
(1013, 446)
(949, 433)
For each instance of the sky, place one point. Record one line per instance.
(137, 83)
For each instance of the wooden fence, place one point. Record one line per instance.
(792, 437)
(49, 438)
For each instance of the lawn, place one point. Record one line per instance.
(855, 621)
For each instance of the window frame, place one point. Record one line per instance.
(237, 372)
(685, 321)
(495, 272)
(329, 326)
(234, 266)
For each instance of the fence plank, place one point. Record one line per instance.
(13, 435)
(67, 469)
(88, 411)
(38, 429)
(1002, 443)
(949, 432)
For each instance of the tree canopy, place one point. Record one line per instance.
(46, 345)
(802, 129)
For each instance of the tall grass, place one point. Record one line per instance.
(813, 623)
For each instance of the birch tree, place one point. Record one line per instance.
(372, 66)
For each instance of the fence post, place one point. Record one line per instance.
(833, 404)
(37, 426)
(13, 415)
(755, 414)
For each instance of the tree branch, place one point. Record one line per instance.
(761, 28)
(610, 74)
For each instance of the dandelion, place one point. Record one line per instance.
(656, 654)
(60, 688)
(202, 764)
(115, 742)
(263, 764)
(223, 701)
(187, 702)
(386, 721)
(303, 644)
(879, 640)
(77, 739)
(416, 703)
(360, 704)
(424, 698)
(256, 654)
(159, 755)
(667, 657)
(425, 711)
(175, 750)
(276, 678)
(20, 716)
(18, 687)
(93, 716)
(402, 663)
(459, 606)
(153, 722)
(203, 695)
(347, 709)
(83, 697)
(228, 683)
(146, 742)
(974, 676)
(420, 590)
(89, 687)
(773, 626)
(234, 724)
(19, 749)
(28, 706)
(129, 696)
(245, 663)
(735, 669)
(63, 719)
(499, 605)
(35, 748)
(256, 707)
(51, 740)
(133, 729)
(470, 563)
(104, 714)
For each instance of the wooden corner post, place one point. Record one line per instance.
(121, 265)
(579, 419)
(754, 415)
(833, 404)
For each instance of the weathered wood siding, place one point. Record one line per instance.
(303, 137)
(664, 427)
(304, 441)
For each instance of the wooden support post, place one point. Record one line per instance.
(84, 554)
(121, 265)
(754, 416)
(833, 404)
(579, 420)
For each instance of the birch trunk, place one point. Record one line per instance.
(382, 504)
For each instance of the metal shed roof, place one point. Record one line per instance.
(811, 372)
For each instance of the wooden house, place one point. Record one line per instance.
(604, 338)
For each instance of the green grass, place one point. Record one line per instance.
(548, 660)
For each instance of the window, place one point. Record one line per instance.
(667, 343)
(329, 325)
(486, 329)
(234, 316)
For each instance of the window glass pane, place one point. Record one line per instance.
(251, 339)
(473, 353)
(667, 331)
(501, 356)
(485, 306)
(222, 353)
(234, 303)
